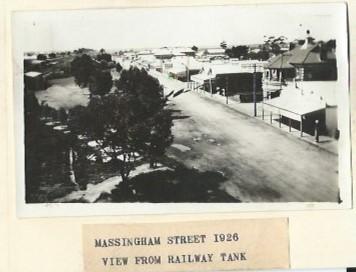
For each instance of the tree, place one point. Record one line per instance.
(118, 67)
(223, 45)
(32, 114)
(274, 45)
(100, 82)
(103, 65)
(82, 68)
(240, 51)
(88, 72)
(129, 124)
(327, 48)
(160, 137)
(104, 56)
(52, 55)
(41, 57)
(194, 48)
(261, 55)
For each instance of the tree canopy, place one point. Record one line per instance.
(104, 56)
(87, 72)
(100, 82)
(52, 55)
(82, 69)
(274, 44)
(240, 51)
(127, 125)
(41, 57)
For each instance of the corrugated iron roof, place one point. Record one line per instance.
(294, 103)
(281, 61)
(305, 54)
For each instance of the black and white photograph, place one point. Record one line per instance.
(232, 105)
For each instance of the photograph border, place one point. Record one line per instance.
(89, 209)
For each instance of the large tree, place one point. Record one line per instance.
(104, 56)
(129, 124)
(52, 55)
(274, 44)
(82, 69)
(100, 82)
(239, 51)
(41, 57)
(88, 72)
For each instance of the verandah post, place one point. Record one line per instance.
(301, 126)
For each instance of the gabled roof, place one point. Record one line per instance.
(281, 61)
(33, 74)
(302, 54)
(305, 54)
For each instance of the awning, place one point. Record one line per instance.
(294, 107)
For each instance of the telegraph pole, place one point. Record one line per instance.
(281, 72)
(254, 91)
(226, 90)
(188, 76)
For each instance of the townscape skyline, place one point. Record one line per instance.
(115, 29)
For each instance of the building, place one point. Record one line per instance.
(163, 54)
(144, 53)
(237, 80)
(315, 61)
(35, 81)
(301, 105)
(34, 65)
(280, 69)
(183, 68)
(188, 52)
(308, 61)
(213, 54)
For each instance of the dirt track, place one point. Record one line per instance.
(260, 162)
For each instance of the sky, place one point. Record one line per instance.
(178, 26)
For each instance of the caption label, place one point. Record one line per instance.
(232, 244)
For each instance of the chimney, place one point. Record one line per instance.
(308, 40)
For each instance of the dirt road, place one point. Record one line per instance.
(260, 162)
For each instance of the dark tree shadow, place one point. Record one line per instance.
(179, 185)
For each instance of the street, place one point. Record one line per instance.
(261, 163)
